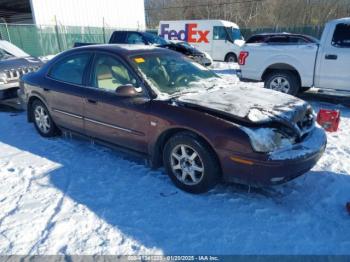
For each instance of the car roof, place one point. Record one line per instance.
(123, 49)
(132, 31)
(280, 34)
(339, 20)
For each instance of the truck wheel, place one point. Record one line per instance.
(283, 81)
(190, 163)
(231, 58)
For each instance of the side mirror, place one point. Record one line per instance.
(127, 91)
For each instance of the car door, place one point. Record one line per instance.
(335, 60)
(220, 44)
(63, 90)
(110, 117)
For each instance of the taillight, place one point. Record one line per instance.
(242, 57)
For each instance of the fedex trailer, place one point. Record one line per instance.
(221, 39)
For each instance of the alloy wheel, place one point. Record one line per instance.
(280, 84)
(187, 165)
(42, 119)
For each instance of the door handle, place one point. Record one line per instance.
(46, 89)
(331, 57)
(91, 101)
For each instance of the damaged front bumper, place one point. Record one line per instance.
(277, 167)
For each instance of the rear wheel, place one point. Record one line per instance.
(42, 120)
(231, 58)
(283, 81)
(190, 163)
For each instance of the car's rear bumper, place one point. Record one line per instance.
(278, 167)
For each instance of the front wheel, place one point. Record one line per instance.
(283, 81)
(190, 163)
(42, 120)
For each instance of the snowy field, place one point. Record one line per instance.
(69, 196)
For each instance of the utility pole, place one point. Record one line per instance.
(7, 28)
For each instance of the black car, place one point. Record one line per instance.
(136, 37)
(281, 38)
(146, 38)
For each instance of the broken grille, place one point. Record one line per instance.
(15, 74)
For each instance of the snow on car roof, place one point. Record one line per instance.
(121, 47)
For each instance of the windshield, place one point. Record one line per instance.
(154, 39)
(171, 73)
(235, 33)
(4, 55)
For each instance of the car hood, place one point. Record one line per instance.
(15, 63)
(250, 104)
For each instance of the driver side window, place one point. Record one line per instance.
(219, 33)
(109, 74)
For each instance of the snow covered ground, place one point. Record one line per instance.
(68, 196)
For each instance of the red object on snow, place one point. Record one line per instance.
(348, 207)
(329, 119)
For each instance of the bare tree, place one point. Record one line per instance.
(249, 13)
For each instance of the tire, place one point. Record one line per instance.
(283, 81)
(42, 120)
(194, 175)
(231, 58)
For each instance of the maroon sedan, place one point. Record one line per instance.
(176, 113)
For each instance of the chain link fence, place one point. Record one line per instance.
(46, 40)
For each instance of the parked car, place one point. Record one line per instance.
(281, 38)
(299, 65)
(136, 37)
(145, 38)
(190, 51)
(176, 113)
(14, 63)
(222, 40)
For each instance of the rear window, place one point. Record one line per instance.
(70, 69)
(256, 39)
(341, 37)
(298, 40)
(134, 38)
(278, 40)
(118, 37)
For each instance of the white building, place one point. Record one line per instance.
(112, 13)
(128, 14)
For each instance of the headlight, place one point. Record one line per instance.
(3, 78)
(267, 139)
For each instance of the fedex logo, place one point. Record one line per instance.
(190, 34)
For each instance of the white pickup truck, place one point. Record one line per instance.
(298, 65)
